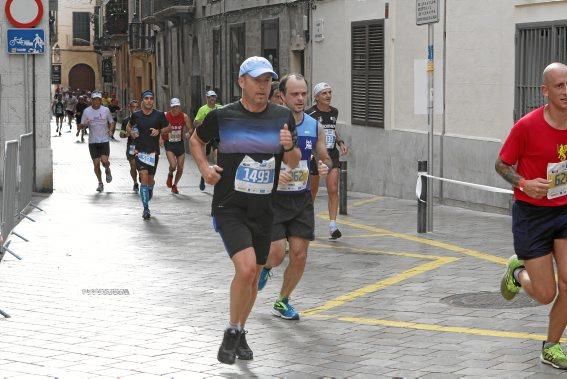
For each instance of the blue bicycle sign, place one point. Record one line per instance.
(26, 41)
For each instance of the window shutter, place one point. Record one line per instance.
(367, 95)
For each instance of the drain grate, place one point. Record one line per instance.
(489, 300)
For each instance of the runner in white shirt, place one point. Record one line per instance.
(99, 120)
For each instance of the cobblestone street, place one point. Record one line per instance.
(101, 293)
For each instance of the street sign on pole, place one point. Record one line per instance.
(26, 41)
(426, 12)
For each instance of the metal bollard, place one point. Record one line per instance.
(343, 188)
(422, 200)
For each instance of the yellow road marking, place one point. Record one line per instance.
(436, 263)
(375, 251)
(360, 236)
(430, 242)
(366, 201)
(409, 237)
(425, 241)
(338, 301)
(444, 329)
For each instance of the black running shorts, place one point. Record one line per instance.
(535, 228)
(334, 154)
(240, 231)
(150, 169)
(293, 216)
(177, 148)
(97, 150)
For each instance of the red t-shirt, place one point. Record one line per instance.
(532, 144)
(177, 123)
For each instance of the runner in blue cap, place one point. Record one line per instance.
(254, 138)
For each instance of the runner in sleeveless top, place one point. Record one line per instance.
(174, 142)
(130, 146)
(327, 115)
(98, 119)
(58, 109)
(294, 217)
(145, 127)
(534, 160)
(254, 137)
(70, 104)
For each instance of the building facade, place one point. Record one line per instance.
(489, 56)
(72, 48)
(13, 104)
(126, 49)
(200, 44)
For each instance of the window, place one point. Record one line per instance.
(537, 45)
(81, 29)
(237, 56)
(217, 61)
(166, 57)
(367, 94)
(271, 41)
(158, 54)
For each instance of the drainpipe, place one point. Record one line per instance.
(442, 142)
(34, 186)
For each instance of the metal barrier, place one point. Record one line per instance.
(421, 192)
(17, 191)
(9, 193)
(26, 175)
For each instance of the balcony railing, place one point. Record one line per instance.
(159, 10)
(116, 17)
(117, 24)
(162, 5)
(140, 38)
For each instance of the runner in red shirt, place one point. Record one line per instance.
(534, 160)
(174, 142)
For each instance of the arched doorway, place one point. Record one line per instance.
(82, 76)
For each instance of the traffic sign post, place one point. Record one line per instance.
(427, 13)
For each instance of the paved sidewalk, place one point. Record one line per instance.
(101, 293)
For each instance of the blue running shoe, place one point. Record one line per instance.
(264, 276)
(282, 308)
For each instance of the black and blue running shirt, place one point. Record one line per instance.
(241, 133)
(146, 142)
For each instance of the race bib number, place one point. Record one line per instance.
(149, 159)
(255, 177)
(175, 136)
(132, 149)
(557, 177)
(330, 138)
(299, 177)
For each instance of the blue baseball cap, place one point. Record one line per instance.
(256, 66)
